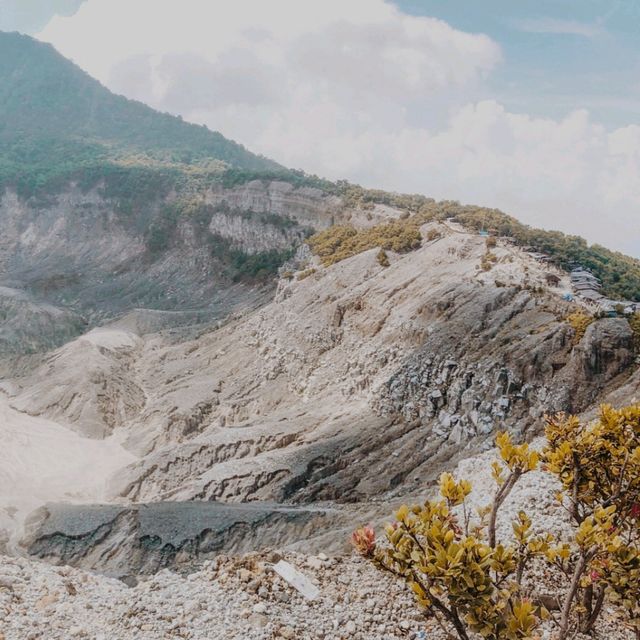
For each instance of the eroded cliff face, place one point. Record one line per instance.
(142, 539)
(89, 253)
(310, 207)
(510, 361)
(356, 383)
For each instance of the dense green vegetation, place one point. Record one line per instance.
(258, 266)
(244, 267)
(55, 119)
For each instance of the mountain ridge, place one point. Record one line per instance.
(60, 129)
(50, 107)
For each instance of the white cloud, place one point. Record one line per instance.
(558, 27)
(362, 91)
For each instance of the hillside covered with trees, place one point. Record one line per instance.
(57, 124)
(56, 120)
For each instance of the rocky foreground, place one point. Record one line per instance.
(242, 597)
(229, 598)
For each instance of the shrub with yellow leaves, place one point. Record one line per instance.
(488, 260)
(340, 242)
(466, 582)
(473, 583)
(517, 459)
(579, 321)
(383, 258)
(598, 466)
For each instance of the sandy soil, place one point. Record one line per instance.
(109, 338)
(41, 461)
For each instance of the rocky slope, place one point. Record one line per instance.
(357, 383)
(142, 539)
(237, 599)
(90, 255)
(31, 326)
(242, 596)
(80, 252)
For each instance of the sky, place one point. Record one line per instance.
(529, 106)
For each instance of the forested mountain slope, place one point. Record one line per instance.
(54, 118)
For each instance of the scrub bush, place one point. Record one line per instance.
(472, 583)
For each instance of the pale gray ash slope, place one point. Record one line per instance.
(151, 355)
(355, 385)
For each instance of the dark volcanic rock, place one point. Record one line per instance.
(145, 538)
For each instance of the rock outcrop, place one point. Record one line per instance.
(95, 256)
(143, 539)
(358, 382)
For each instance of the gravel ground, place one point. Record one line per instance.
(236, 598)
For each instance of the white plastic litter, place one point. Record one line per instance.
(297, 580)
